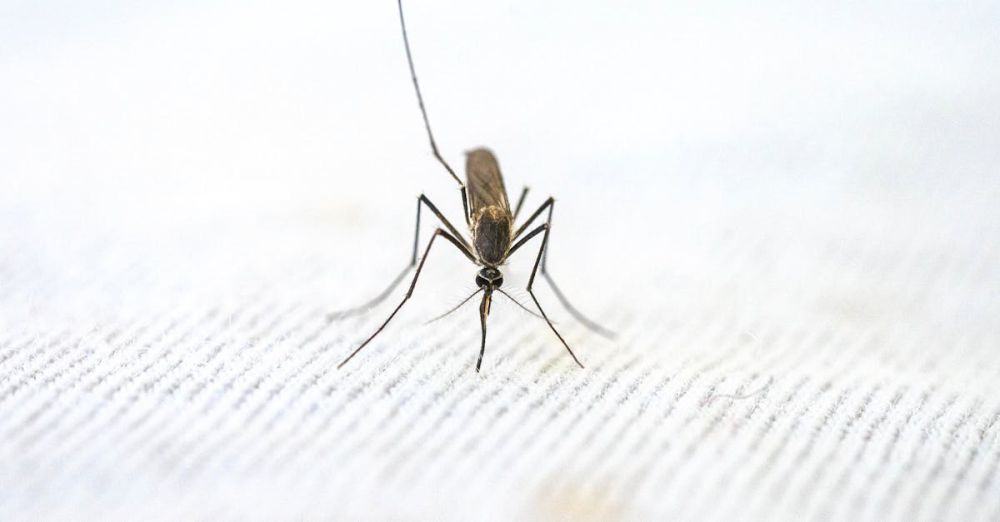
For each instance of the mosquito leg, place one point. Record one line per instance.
(520, 202)
(451, 228)
(544, 227)
(596, 328)
(550, 205)
(578, 315)
(464, 247)
(413, 284)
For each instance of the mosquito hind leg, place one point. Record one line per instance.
(422, 200)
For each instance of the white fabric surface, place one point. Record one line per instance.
(788, 213)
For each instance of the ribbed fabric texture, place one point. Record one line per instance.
(847, 375)
(789, 215)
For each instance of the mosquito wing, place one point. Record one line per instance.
(485, 184)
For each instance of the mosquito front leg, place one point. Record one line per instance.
(544, 227)
(456, 237)
(439, 232)
(550, 205)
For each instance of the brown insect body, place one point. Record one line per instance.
(491, 225)
(491, 222)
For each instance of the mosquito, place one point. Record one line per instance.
(491, 225)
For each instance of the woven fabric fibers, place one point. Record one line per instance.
(788, 214)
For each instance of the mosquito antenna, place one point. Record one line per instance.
(456, 307)
(518, 303)
(420, 99)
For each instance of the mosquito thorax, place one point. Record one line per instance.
(491, 234)
(489, 277)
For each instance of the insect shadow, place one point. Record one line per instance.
(491, 225)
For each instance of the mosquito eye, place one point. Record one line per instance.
(480, 281)
(498, 282)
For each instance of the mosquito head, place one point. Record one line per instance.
(489, 278)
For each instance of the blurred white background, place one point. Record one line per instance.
(119, 117)
(722, 171)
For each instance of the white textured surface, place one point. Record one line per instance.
(797, 236)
